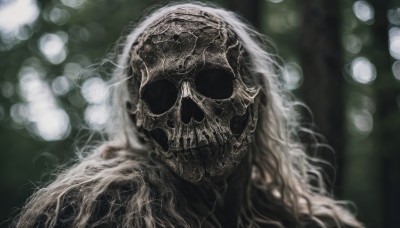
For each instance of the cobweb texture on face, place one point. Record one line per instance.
(193, 107)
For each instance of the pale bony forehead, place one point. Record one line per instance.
(157, 41)
(182, 20)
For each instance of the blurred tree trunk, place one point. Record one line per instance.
(387, 121)
(321, 60)
(249, 10)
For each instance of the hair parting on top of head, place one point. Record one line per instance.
(281, 169)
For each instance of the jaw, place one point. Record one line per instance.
(211, 163)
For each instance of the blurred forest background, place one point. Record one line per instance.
(341, 57)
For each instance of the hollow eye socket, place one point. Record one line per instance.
(214, 83)
(160, 96)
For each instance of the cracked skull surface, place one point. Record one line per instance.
(188, 95)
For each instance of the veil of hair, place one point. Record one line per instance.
(120, 185)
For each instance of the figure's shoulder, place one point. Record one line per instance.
(99, 190)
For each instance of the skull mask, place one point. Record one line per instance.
(192, 105)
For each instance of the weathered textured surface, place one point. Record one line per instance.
(191, 103)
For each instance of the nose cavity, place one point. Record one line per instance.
(189, 110)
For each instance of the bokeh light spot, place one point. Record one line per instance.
(276, 1)
(7, 89)
(394, 42)
(19, 113)
(16, 14)
(394, 16)
(41, 108)
(59, 16)
(363, 71)
(363, 11)
(396, 69)
(362, 121)
(53, 48)
(94, 90)
(72, 70)
(24, 33)
(352, 44)
(60, 85)
(53, 125)
(292, 76)
(73, 3)
(97, 116)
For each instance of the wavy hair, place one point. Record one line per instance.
(120, 185)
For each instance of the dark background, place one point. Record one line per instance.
(341, 58)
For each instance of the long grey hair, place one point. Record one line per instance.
(119, 184)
